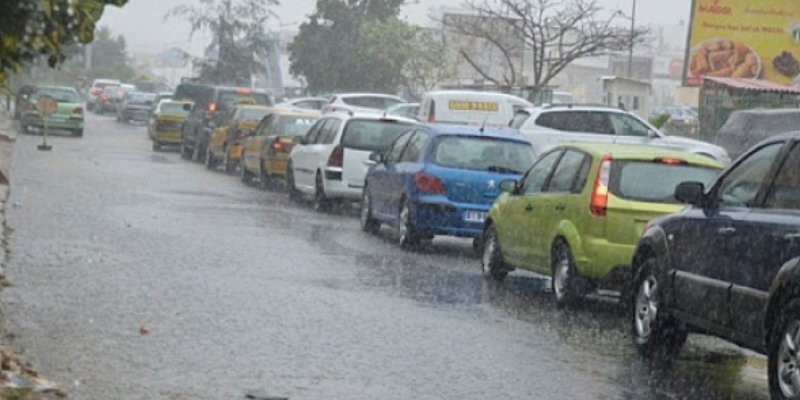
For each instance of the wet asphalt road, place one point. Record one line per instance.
(243, 289)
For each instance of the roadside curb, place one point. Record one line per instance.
(17, 379)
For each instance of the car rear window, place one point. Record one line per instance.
(372, 135)
(227, 100)
(251, 114)
(483, 154)
(654, 182)
(173, 108)
(374, 102)
(295, 126)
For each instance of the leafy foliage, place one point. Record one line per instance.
(30, 29)
(361, 45)
(239, 35)
(660, 120)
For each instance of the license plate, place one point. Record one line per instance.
(474, 216)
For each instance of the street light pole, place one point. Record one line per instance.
(630, 50)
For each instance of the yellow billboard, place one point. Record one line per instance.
(744, 39)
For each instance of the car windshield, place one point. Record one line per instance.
(654, 182)
(295, 125)
(140, 99)
(374, 102)
(59, 95)
(172, 107)
(483, 153)
(371, 135)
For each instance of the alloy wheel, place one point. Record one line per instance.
(789, 361)
(646, 307)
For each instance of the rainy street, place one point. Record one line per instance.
(138, 275)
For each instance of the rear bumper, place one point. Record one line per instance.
(601, 257)
(165, 136)
(439, 216)
(276, 165)
(35, 120)
(136, 115)
(338, 189)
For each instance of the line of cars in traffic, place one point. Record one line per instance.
(594, 197)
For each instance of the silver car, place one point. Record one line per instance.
(556, 124)
(361, 103)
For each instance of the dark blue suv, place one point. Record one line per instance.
(729, 264)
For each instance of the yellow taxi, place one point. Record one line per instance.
(266, 151)
(165, 123)
(225, 145)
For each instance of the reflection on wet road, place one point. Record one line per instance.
(243, 289)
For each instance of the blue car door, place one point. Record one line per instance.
(405, 170)
(710, 243)
(381, 175)
(773, 239)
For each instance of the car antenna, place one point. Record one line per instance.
(483, 125)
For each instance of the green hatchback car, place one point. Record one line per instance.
(69, 115)
(579, 211)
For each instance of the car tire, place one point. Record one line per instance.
(229, 167)
(565, 281)
(368, 223)
(321, 202)
(492, 263)
(656, 334)
(291, 189)
(407, 235)
(782, 362)
(264, 179)
(211, 161)
(185, 152)
(78, 133)
(196, 151)
(156, 146)
(245, 175)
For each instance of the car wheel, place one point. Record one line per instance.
(78, 133)
(656, 334)
(477, 246)
(368, 223)
(185, 152)
(291, 189)
(492, 261)
(783, 354)
(564, 280)
(321, 202)
(211, 161)
(245, 175)
(227, 164)
(407, 235)
(197, 156)
(156, 146)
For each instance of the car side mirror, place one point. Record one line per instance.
(376, 157)
(508, 186)
(690, 193)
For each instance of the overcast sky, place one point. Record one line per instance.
(142, 22)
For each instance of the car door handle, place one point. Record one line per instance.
(560, 207)
(728, 230)
(791, 236)
(529, 208)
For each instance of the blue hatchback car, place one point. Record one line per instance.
(440, 180)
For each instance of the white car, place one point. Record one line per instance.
(331, 160)
(97, 88)
(304, 103)
(361, 102)
(556, 124)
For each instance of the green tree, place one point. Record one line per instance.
(33, 29)
(428, 65)
(109, 56)
(353, 45)
(238, 29)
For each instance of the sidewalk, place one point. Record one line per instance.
(17, 380)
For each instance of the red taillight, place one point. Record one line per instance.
(670, 161)
(95, 90)
(212, 107)
(78, 111)
(599, 202)
(277, 145)
(429, 183)
(104, 97)
(337, 157)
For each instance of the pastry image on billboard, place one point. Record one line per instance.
(786, 64)
(724, 58)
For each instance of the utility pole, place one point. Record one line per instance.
(630, 50)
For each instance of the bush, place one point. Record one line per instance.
(660, 120)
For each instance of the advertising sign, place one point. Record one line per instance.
(457, 105)
(744, 39)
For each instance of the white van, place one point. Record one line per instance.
(470, 107)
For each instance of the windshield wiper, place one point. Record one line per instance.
(498, 168)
